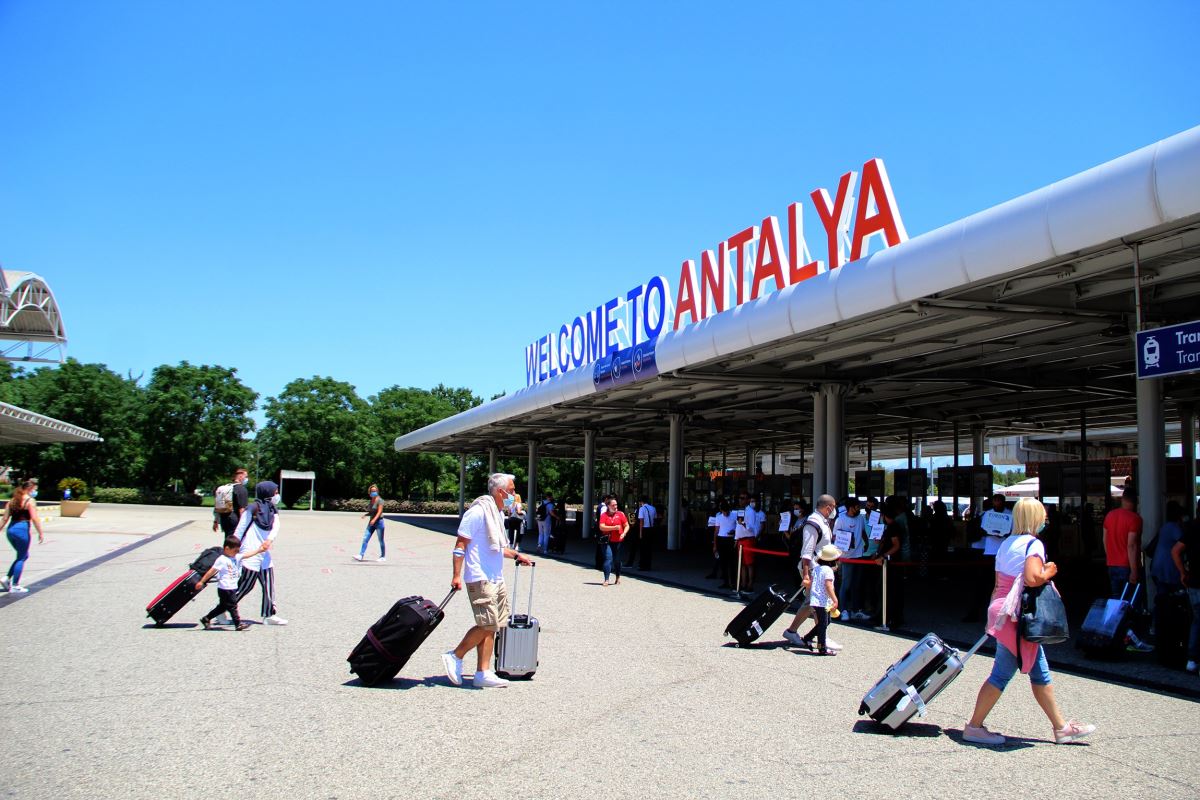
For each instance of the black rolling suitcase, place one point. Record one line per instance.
(182, 589)
(761, 613)
(392, 640)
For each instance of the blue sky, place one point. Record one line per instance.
(411, 193)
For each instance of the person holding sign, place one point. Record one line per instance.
(850, 537)
(995, 523)
(749, 524)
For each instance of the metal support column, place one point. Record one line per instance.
(835, 449)
(491, 461)
(954, 481)
(589, 471)
(819, 447)
(530, 495)
(750, 471)
(1082, 458)
(1151, 450)
(976, 456)
(675, 483)
(462, 484)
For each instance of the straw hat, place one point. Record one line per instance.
(829, 553)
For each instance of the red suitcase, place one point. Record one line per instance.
(173, 598)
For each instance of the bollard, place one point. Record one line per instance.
(737, 583)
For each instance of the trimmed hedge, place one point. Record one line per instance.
(359, 504)
(102, 495)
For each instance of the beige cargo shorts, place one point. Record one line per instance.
(489, 603)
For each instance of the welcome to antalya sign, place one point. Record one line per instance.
(747, 265)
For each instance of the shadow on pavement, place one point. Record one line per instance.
(1012, 743)
(401, 684)
(912, 730)
(151, 626)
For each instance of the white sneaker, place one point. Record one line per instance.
(830, 644)
(357, 557)
(861, 616)
(274, 619)
(489, 680)
(382, 560)
(1192, 667)
(453, 665)
(221, 619)
(794, 638)
(17, 590)
(6, 583)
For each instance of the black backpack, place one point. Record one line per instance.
(541, 511)
(205, 560)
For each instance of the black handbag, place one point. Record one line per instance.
(1043, 616)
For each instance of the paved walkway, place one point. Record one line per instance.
(636, 695)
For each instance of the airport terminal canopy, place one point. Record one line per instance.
(31, 330)
(1017, 319)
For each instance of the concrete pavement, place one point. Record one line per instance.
(637, 694)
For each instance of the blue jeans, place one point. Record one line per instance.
(18, 537)
(1005, 666)
(371, 531)
(612, 559)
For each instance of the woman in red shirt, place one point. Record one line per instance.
(614, 525)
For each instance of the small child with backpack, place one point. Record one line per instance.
(227, 569)
(822, 597)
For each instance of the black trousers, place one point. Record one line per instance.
(727, 554)
(633, 542)
(228, 523)
(821, 617)
(226, 602)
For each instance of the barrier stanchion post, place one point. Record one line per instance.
(884, 616)
(738, 567)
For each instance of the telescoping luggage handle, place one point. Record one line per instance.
(442, 605)
(1133, 597)
(516, 577)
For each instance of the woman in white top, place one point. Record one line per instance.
(723, 547)
(257, 528)
(1020, 562)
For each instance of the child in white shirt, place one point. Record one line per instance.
(822, 597)
(228, 568)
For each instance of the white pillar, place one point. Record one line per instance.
(589, 470)
(675, 483)
(835, 450)
(491, 461)
(819, 451)
(1151, 448)
(530, 500)
(462, 483)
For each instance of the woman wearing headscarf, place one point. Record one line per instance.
(259, 526)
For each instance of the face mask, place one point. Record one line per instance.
(374, 494)
(509, 500)
(752, 504)
(276, 500)
(33, 493)
(1041, 528)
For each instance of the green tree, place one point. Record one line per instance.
(196, 418)
(322, 425)
(90, 396)
(398, 410)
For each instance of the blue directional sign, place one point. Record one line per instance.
(1168, 351)
(621, 367)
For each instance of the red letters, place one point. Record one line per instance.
(798, 248)
(835, 217)
(712, 276)
(769, 264)
(737, 245)
(685, 298)
(876, 190)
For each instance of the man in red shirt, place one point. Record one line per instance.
(614, 525)
(1123, 554)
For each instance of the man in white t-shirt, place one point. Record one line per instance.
(817, 533)
(995, 523)
(478, 560)
(643, 543)
(851, 532)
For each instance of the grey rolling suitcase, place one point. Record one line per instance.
(912, 682)
(517, 644)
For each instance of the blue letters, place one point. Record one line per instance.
(661, 305)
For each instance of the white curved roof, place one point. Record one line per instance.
(30, 323)
(1130, 196)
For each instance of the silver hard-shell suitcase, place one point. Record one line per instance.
(912, 682)
(517, 644)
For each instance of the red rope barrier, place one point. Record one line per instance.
(751, 549)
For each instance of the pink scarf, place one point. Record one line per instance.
(1002, 618)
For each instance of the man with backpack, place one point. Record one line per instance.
(817, 532)
(229, 500)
